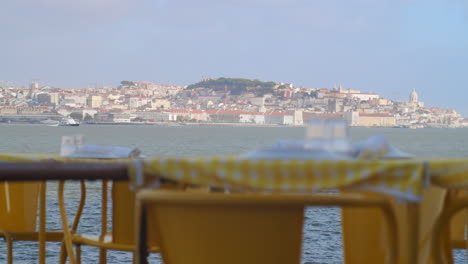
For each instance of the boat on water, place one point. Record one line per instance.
(50, 122)
(68, 121)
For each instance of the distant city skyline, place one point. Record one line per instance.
(386, 46)
(401, 98)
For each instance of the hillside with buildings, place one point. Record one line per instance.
(222, 100)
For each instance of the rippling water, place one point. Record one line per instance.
(322, 236)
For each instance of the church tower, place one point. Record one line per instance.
(340, 88)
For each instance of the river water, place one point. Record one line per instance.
(322, 231)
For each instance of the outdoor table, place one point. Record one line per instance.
(408, 181)
(417, 187)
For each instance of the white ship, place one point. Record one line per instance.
(68, 121)
(50, 122)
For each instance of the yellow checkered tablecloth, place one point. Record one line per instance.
(402, 178)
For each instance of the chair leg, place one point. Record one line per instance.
(78, 254)
(66, 229)
(63, 254)
(104, 193)
(9, 248)
(102, 256)
(141, 231)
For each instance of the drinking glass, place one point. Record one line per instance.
(315, 135)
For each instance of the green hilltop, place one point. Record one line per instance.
(236, 85)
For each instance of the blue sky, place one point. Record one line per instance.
(383, 46)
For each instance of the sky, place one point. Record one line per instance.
(384, 46)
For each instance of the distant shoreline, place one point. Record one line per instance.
(177, 124)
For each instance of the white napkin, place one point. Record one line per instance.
(73, 147)
(377, 147)
(101, 152)
(291, 149)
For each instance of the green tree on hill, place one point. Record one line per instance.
(236, 85)
(127, 83)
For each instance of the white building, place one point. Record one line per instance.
(278, 118)
(364, 96)
(94, 101)
(252, 117)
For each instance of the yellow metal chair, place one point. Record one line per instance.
(122, 236)
(442, 242)
(458, 223)
(201, 228)
(415, 229)
(18, 213)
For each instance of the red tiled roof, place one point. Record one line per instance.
(376, 114)
(276, 114)
(323, 114)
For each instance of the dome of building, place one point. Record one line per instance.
(413, 96)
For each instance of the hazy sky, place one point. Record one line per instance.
(383, 46)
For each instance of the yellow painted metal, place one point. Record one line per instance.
(441, 230)
(246, 228)
(42, 223)
(66, 229)
(104, 194)
(123, 218)
(458, 224)
(413, 222)
(18, 206)
(365, 238)
(106, 242)
(55, 236)
(10, 248)
(123, 203)
(18, 212)
(122, 236)
(78, 254)
(79, 211)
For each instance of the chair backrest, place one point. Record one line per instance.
(441, 248)
(241, 228)
(217, 228)
(18, 206)
(365, 236)
(123, 209)
(123, 214)
(458, 223)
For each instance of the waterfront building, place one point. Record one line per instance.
(252, 117)
(278, 118)
(156, 116)
(309, 116)
(32, 110)
(94, 101)
(225, 116)
(370, 119)
(8, 110)
(298, 117)
(121, 117)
